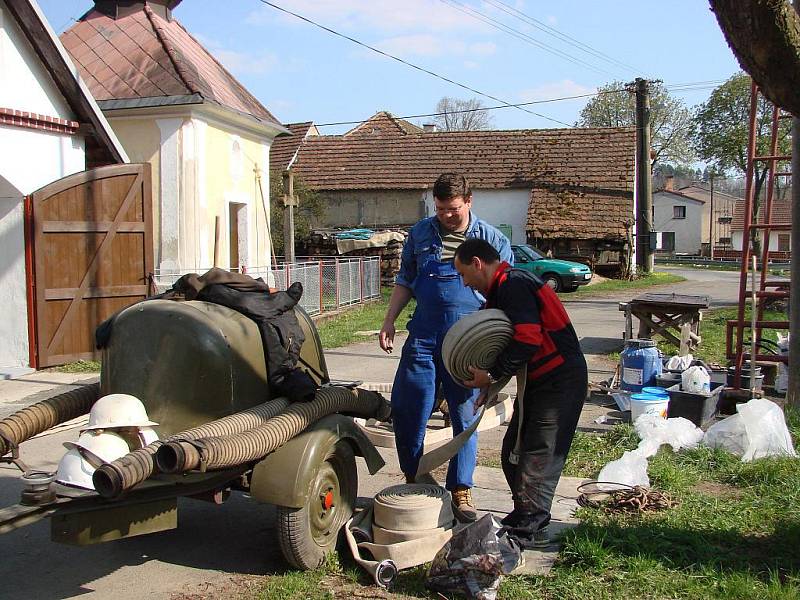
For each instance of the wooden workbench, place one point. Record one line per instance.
(675, 317)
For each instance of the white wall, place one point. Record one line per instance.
(497, 207)
(688, 231)
(30, 160)
(736, 239)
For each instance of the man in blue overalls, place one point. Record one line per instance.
(427, 274)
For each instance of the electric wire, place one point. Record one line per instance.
(476, 14)
(551, 31)
(409, 64)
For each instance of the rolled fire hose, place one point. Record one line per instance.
(419, 518)
(114, 478)
(39, 417)
(212, 453)
(475, 340)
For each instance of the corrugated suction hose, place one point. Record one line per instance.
(475, 340)
(112, 479)
(39, 417)
(231, 450)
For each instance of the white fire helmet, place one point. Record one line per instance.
(83, 457)
(118, 410)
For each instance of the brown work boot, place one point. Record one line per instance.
(463, 508)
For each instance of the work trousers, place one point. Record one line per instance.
(551, 409)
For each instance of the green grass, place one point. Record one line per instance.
(345, 328)
(617, 285)
(702, 267)
(81, 366)
(712, 332)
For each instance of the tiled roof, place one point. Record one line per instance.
(781, 213)
(600, 159)
(582, 178)
(285, 147)
(142, 55)
(696, 192)
(384, 124)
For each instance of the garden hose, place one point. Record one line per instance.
(114, 478)
(212, 453)
(39, 417)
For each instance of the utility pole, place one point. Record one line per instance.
(289, 202)
(711, 220)
(644, 184)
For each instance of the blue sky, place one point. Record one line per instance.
(302, 73)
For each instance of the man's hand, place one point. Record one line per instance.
(480, 378)
(386, 338)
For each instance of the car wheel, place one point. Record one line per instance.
(552, 281)
(306, 535)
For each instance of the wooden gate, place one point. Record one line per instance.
(89, 254)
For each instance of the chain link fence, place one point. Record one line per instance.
(329, 283)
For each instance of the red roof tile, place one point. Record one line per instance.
(582, 179)
(142, 55)
(285, 147)
(781, 213)
(385, 124)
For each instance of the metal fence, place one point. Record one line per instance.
(329, 283)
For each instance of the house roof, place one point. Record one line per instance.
(679, 195)
(102, 145)
(571, 171)
(285, 147)
(141, 55)
(703, 194)
(383, 124)
(781, 213)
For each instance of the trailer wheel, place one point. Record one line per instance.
(307, 534)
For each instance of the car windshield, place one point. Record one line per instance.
(532, 252)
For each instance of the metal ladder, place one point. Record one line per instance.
(765, 289)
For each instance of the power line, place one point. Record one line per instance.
(475, 14)
(507, 8)
(412, 65)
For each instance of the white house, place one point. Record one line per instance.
(50, 127)
(678, 221)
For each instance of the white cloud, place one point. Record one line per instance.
(551, 20)
(420, 45)
(471, 64)
(554, 89)
(239, 63)
(482, 48)
(385, 16)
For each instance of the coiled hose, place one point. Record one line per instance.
(475, 340)
(39, 417)
(114, 478)
(231, 450)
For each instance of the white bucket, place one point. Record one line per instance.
(647, 404)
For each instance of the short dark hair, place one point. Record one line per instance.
(451, 185)
(473, 247)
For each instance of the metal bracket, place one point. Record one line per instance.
(14, 459)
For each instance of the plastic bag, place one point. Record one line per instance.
(679, 363)
(630, 470)
(676, 432)
(696, 380)
(757, 430)
(473, 561)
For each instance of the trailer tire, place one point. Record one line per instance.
(306, 535)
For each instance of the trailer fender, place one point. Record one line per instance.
(284, 477)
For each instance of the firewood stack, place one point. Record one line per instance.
(323, 243)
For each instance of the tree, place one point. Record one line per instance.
(670, 119)
(310, 208)
(765, 37)
(721, 132)
(462, 115)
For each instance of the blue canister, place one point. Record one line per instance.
(640, 364)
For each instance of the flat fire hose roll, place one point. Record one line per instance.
(214, 453)
(475, 340)
(39, 417)
(113, 479)
(396, 530)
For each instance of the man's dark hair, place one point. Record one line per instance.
(451, 185)
(476, 247)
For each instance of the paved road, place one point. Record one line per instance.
(216, 547)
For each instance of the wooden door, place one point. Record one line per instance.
(90, 254)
